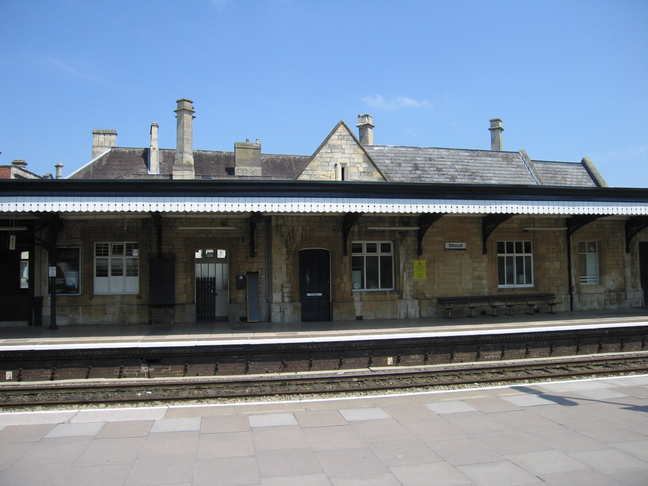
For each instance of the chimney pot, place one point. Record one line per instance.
(496, 130)
(365, 127)
(59, 170)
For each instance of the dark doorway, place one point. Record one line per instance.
(16, 291)
(212, 284)
(315, 285)
(643, 269)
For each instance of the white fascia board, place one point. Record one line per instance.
(309, 205)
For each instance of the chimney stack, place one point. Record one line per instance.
(154, 152)
(366, 129)
(20, 164)
(247, 159)
(102, 141)
(59, 170)
(183, 167)
(496, 134)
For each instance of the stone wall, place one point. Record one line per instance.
(279, 239)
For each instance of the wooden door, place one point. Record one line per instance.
(315, 284)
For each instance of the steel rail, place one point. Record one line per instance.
(300, 384)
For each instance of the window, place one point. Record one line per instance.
(588, 256)
(24, 269)
(341, 172)
(372, 265)
(116, 268)
(514, 264)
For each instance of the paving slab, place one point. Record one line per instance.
(182, 424)
(75, 430)
(451, 406)
(358, 414)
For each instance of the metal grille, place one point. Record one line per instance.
(205, 297)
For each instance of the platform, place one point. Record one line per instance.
(577, 433)
(223, 333)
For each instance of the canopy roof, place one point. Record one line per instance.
(304, 197)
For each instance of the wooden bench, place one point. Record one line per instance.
(497, 302)
(467, 302)
(534, 302)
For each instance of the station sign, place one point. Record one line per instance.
(455, 246)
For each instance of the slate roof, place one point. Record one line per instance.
(563, 174)
(462, 166)
(132, 163)
(441, 165)
(396, 163)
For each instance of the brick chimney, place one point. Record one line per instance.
(366, 129)
(154, 152)
(102, 141)
(59, 170)
(183, 166)
(496, 134)
(247, 159)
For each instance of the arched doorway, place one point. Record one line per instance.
(212, 284)
(315, 284)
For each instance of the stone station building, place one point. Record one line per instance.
(354, 231)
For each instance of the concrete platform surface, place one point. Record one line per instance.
(592, 432)
(211, 333)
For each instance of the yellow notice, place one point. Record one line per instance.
(420, 271)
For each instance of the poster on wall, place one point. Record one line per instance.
(68, 271)
(420, 270)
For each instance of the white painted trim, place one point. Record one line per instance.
(309, 205)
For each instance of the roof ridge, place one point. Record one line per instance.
(443, 148)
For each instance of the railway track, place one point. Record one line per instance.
(300, 384)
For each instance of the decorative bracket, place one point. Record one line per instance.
(633, 226)
(348, 222)
(489, 224)
(425, 220)
(255, 219)
(577, 222)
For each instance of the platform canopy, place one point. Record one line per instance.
(314, 197)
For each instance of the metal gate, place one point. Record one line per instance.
(205, 297)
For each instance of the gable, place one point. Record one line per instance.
(341, 157)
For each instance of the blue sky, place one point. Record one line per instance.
(569, 79)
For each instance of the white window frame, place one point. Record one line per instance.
(515, 264)
(589, 262)
(116, 267)
(364, 256)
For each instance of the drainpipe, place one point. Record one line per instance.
(53, 226)
(570, 277)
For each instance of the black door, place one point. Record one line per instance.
(643, 269)
(315, 285)
(16, 291)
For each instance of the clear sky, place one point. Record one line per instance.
(568, 78)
